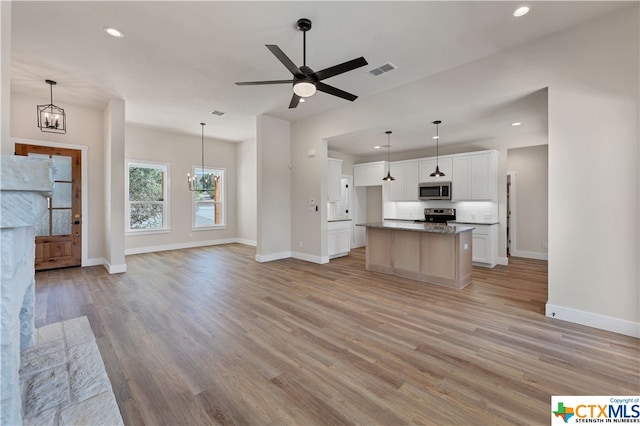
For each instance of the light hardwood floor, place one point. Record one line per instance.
(209, 336)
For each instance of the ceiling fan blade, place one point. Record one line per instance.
(293, 69)
(295, 99)
(341, 68)
(335, 91)
(254, 83)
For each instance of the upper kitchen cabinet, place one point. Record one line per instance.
(335, 174)
(427, 166)
(475, 176)
(369, 174)
(405, 187)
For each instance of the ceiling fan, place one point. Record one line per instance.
(305, 80)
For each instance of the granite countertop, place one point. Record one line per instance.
(476, 222)
(418, 227)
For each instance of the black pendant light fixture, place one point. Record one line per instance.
(205, 182)
(388, 177)
(51, 118)
(437, 173)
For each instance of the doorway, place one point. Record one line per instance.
(59, 231)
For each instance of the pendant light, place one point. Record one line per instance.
(437, 173)
(388, 177)
(51, 118)
(205, 182)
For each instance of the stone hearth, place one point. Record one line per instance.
(63, 379)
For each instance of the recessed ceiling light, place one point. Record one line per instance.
(523, 10)
(377, 147)
(517, 123)
(113, 32)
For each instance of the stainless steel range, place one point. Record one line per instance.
(438, 216)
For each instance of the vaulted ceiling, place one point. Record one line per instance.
(178, 60)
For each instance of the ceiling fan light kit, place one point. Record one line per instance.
(305, 81)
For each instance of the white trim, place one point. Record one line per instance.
(530, 254)
(273, 256)
(246, 242)
(166, 214)
(114, 269)
(147, 231)
(84, 176)
(603, 322)
(94, 261)
(179, 246)
(310, 257)
(511, 212)
(502, 261)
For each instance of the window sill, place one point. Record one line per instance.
(208, 228)
(147, 231)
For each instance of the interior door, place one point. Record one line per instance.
(58, 233)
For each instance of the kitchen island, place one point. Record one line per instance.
(435, 254)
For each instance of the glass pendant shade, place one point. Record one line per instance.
(304, 89)
(388, 177)
(204, 182)
(437, 173)
(51, 118)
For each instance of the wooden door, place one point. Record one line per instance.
(59, 231)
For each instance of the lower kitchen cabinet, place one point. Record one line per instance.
(339, 238)
(485, 245)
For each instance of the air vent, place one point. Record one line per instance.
(382, 69)
(216, 112)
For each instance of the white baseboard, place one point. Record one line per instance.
(530, 254)
(272, 256)
(94, 261)
(310, 257)
(502, 261)
(178, 246)
(246, 242)
(603, 322)
(114, 269)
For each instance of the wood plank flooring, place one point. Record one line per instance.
(209, 336)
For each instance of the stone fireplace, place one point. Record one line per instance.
(24, 185)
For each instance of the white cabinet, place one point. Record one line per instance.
(405, 187)
(475, 177)
(338, 238)
(335, 174)
(369, 174)
(484, 244)
(428, 165)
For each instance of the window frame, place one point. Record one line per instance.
(165, 167)
(223, 199)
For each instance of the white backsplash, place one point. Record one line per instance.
(466, 211)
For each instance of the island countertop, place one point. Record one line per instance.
(418, 227)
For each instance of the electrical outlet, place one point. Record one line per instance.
(300, 244)
(545, 245)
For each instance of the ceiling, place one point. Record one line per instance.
(179, 60)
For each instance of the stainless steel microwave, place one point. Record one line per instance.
(434, 190)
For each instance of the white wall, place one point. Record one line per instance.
(5, 77)
(114, 149)
(530, 166)
(182, 152)
(247, 191)
(274, 189)
(84, 128)
(592, 76)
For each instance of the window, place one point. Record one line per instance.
(147, 205)
(208, 206)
